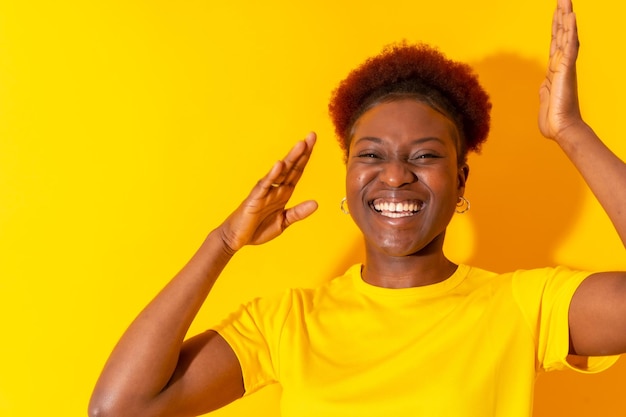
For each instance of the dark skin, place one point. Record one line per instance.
(404, 152)
(598, 309)
(153, 371)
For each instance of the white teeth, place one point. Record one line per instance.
(399, 209)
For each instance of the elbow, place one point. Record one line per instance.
(108, 407)
(99, 407)
(96, 412)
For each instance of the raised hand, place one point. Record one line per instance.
(152, 352)
(558, 93)
(262, 215)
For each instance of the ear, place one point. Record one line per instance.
(463, 174)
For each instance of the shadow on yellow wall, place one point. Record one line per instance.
(525, 193)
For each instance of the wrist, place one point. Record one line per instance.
(222, 238)
(571, 134)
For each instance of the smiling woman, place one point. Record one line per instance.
(406, 332)
(404, 153)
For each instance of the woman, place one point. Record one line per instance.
(408, 332)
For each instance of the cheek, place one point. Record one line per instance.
(444, 183)
(352, 177)
(357, 180)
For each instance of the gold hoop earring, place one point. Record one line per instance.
(342, 206)
(463, 205)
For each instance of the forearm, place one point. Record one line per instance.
(146, 356)
(603, 171)
(146, 359)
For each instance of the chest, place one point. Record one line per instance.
(402, 356)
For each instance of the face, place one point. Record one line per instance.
(403, 179)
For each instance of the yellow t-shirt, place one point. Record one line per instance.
(468, 346)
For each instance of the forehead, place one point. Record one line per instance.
(405, 119)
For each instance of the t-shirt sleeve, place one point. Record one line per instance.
(253, 332)
(544, 296)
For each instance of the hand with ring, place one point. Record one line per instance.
(262, 215)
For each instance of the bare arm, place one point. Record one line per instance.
(560, 120)
(597, 314)
(152, 371)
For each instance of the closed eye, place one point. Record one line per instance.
(427, 156)
(368, 155)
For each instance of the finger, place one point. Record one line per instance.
(301, 148)
(269, 181)
(295, 170)
(560, 32)
(296, 160)
(572, 43)
(555, 27)
(282, 172)
(565, 9)
(290, 159)
(565, 5)
(299, 212)
(310, 140)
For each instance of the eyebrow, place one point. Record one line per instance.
(413, 142)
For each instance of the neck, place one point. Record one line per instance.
(422, 268)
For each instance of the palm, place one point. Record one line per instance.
(558, 93)
(265, 215)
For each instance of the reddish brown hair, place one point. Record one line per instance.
(420, 72)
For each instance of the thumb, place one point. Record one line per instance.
(299, 212)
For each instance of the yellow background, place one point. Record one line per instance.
(128, 129)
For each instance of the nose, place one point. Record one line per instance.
(397, 173)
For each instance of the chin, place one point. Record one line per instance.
(395, 248)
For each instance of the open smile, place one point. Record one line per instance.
(396, 209)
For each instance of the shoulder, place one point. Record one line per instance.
(555, 275)
(338, 287)
(548, 280)
(530, 284)
(303, 298)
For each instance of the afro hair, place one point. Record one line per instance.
(416, 71)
